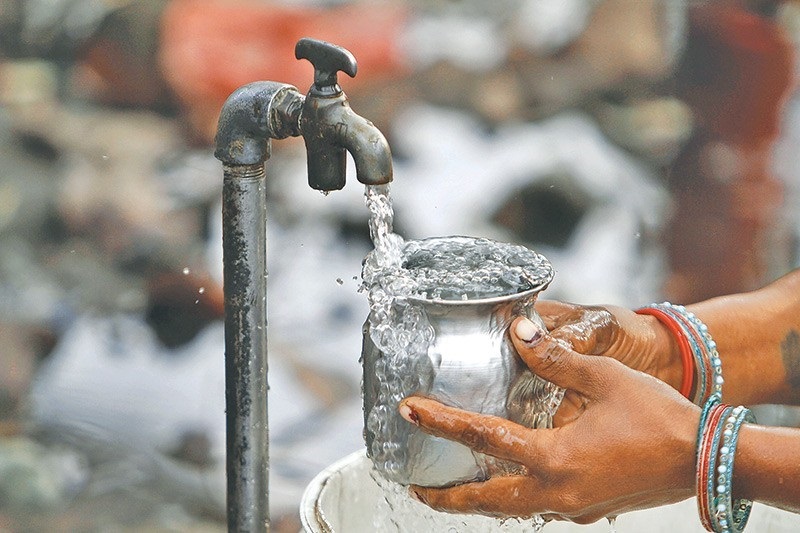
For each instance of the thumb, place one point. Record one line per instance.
(553, 359)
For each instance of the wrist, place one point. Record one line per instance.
(745, 479)
(766, 466)
(700, 361)
(686, 440)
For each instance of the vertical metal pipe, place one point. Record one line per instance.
(252, 116)
(244, 242)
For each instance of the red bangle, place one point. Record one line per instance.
(704, 450)
(687, 357)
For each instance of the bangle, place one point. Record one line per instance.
(714, 400)
(712, 383)
(707, 363)
(686, 352)
(706, 458)
(732, 515)
(718, 436)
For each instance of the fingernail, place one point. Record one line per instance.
(528, 332)
(416, 496)
(408, 414)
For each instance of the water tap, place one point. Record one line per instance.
(251, 117)
(264, 110)
(330, 127)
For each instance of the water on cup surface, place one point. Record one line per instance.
(464, 268)
(401, 275)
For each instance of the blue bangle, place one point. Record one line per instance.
(712, 469)
(731, 515)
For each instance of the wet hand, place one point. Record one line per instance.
(632, 445)
(638, 341)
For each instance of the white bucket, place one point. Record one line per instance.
(344, 498)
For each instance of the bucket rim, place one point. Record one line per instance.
(313, 491)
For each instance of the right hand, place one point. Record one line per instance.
(631, 447)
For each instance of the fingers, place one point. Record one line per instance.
(553, 359)
(582, 336)
(554, 313)
(572, 406)
(590, 330)
(486, 434)
(501, 496)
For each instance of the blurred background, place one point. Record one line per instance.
(646, 147)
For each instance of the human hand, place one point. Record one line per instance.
(638, 341)
(632, 446)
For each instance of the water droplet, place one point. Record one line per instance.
(186, 271)
(201, 290)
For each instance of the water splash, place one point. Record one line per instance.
(397, 330)
(464, 268)
(451, 268)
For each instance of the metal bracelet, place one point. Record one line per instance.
(732, 514)
(708, 361)
(705, 456)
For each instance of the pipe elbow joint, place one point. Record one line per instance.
(251, 116)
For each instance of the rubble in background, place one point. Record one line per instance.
(500, 116)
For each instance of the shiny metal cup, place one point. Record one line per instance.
(470, 364)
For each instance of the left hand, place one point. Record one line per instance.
(631, 447)
(638, 341)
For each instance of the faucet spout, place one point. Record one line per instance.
(369, 149)
(330, 128)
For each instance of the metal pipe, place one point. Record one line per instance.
(251, 116)
(244, 210)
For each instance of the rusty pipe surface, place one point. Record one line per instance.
(244, 247)
(251, 116)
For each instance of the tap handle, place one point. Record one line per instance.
(328, 59)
